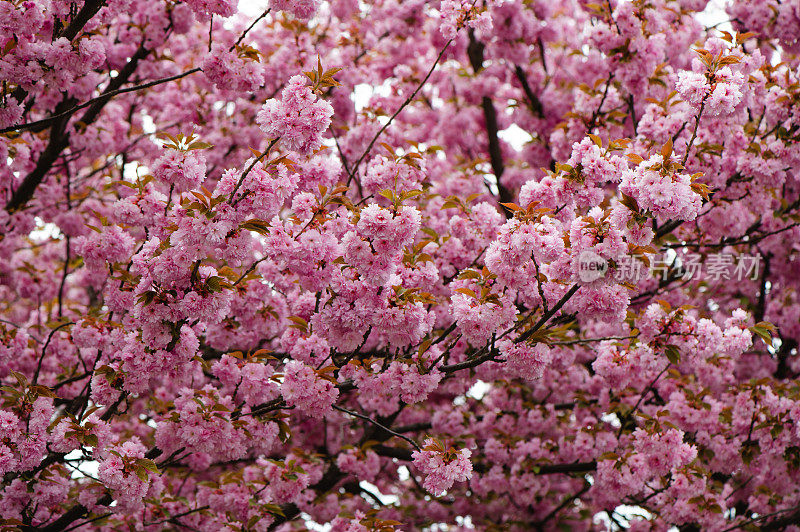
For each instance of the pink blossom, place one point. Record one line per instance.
(442, 468)
(303, 388)
(302, 9)
(299, 118)
(224, 8)
(184, 170)
(231, 72)
(118, 472)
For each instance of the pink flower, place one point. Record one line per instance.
(302, 9)
(442, 468)
(120, 471)
(382, 173)
(109, 246)
(228, 71)
(693, 87)
(525, 360)
(224, 8)
(665, 194)
(184, 170)
(303, 388)
(456, 13)
(365, 465)
(10, 113)
(299, 118)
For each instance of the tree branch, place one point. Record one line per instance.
(59, 139)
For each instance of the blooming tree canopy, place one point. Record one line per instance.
(399, 265)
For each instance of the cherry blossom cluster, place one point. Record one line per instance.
(366, 266)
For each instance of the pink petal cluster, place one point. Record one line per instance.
(117, 472)
(302, 9)
(204, 8)
(383, 173)
(455, 14)
(299, 118)
(183, 170)
(667, 195)
(303, 388)
(442, 469)
(228, 71)
(365, 465)
(110, 246)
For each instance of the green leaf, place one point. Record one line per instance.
(141, 472)
(148, 464)
(673, 354)
(200, 146)
(749, 451)
(466, 291)
(298, 323)
(274, 509)
(764, 330)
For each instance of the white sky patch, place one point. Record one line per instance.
(85, 468)
(361, 95)
(364, 91)
(44, 231)
(516, 136)
(612, 419)
(478, 390)
(148, 126)
(252, 8)
(387, 500)
(624, 515)
(310, 524)
(403, 473)
(714, 15)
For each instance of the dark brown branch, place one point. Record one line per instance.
(783, 522)
(527, 334)
(566, 502)
(762, 291)
(694, 132)
(73, 514)
(44, 349)
(250, 27)
(471, 363)
(475, 53)
(787, 345)
(59, 139)
(533, 101)
(377, 424)
(39, 125)
(393, 452)
(89, 9)
(596, 114)
(543, 469)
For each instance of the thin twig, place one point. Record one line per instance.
(249, 168)
(694, 133)
(547, 315)
(44, 349)
(399, 109)
(379, 425)
(250, 27)
(104, 96)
